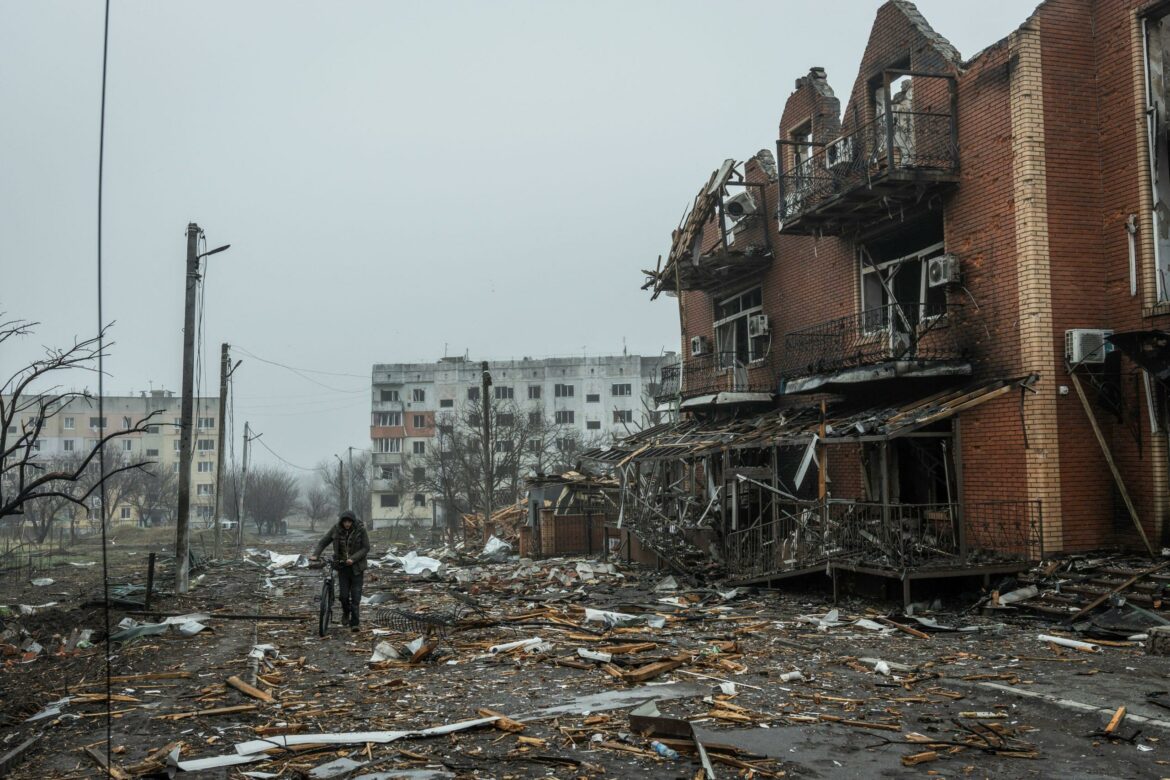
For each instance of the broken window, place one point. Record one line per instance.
(420, 499)
(505, 419)
(623, 416)
(593, 425)
(901, 102)
(593, 398)
(388, 395)
(385, 419)
(535, 418)
(563, 391)
(895, 278)
(446, 403)
(388, 500)
(388, 445)
(418, 395)
(473, 394)
(1157, 46)
(734, 342)
(622, 389)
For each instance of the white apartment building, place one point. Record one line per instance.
(77, 428)
(589, 398)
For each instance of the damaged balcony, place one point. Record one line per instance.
(897, 340)
(907, 153)
(914, 540)
(724, 378)
(724, 235)
(669, 383)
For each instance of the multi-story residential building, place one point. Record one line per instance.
(922, 304)
(582, 400)
(76, 428)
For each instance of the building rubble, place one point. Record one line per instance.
(580, 667)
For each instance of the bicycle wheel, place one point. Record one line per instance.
(326, 613)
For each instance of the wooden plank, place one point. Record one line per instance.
(503, 722)
(1112, 466)
(249, 690)
(1115, 721)
(1104, 596)
(213, 711)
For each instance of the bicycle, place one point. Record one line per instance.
(325, 612)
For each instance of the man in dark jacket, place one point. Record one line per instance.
(350, 545)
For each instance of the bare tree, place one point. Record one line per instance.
(272, 495)
(357, 480)
(319, 505)
(154, 494)
(523, 442)
(25, 476)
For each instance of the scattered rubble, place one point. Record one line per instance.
(583, 667)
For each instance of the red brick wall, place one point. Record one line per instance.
(1094, 157)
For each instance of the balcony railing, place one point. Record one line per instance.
(669, 382)
(723, 372)
(893, 536)
(900, 150)
(894, 332)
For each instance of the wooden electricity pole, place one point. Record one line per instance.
(182, 549)
(186, 424)
(224, 370)
(240, 496)
(487, 447)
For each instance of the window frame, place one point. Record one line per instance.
(728, 324)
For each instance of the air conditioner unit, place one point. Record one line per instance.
(758, 325)
(942, 270)
(1086, 345)
(740, 205)
(698, 346)
(838, 152)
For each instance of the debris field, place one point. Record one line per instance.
(492, 666)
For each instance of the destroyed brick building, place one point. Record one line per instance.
(931, 287)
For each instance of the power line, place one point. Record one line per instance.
(101, 397)
(302, 371)
(282, 460)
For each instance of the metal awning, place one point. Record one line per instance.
(1150, 349)
(796, 426)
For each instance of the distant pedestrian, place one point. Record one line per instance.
(351, 543)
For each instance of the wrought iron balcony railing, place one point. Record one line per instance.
(909, 146)
(897, 331)
(669, 382)
(720, 372)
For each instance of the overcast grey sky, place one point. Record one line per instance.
(397, 180)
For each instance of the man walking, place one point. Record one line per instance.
(350, 545)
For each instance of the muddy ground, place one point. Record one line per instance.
(978, 703)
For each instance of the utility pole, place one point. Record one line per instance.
(225, 371)
(487, 447)
(182, 539)
(243, 487)
(340, 483)
(349, 495)
(182, 561)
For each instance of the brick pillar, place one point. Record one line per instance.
(1038, 352)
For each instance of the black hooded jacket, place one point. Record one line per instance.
(352, 545)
